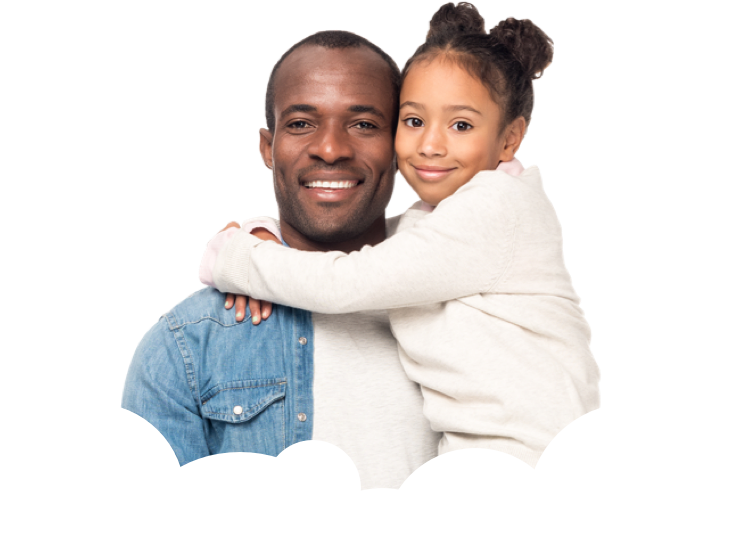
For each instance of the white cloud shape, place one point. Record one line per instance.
(648, 471)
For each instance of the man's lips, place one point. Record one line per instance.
(330, 189)
(331, 184)
(432, 173)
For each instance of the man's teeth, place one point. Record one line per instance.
(331, 184)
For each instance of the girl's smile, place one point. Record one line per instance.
(432, 173)
(449, 129)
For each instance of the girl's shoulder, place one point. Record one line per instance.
(497, 198)
(496, 182)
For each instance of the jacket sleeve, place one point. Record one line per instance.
(460, 249)
(157, 389)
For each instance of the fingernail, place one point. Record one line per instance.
(239, 314)
(227, 303)
(256, 319)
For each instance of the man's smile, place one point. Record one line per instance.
(332, 184)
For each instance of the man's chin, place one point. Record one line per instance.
(334, 233)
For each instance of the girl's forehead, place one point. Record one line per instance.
(449, 59)
(441, 64)
(441, 82)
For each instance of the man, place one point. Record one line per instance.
(211, 384)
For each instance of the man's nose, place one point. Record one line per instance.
(331, 144)
(432, 142)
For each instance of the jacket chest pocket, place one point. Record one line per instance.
(246, 416)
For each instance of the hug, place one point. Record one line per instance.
(453, 326)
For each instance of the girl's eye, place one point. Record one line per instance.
(462, 126)
(413, 122)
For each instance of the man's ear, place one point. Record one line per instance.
(513, 136)
(265, 147)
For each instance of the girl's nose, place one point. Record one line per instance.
(432, 143)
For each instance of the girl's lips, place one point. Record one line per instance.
(432, 173)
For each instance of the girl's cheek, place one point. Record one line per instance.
(400, 147)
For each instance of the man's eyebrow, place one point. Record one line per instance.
(450, 108)
(298, 108)
(367, 108)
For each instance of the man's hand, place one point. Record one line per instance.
(259, 309)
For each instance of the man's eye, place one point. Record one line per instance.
(462, 126)
(365, 125)
(413, 122)
(299, 124)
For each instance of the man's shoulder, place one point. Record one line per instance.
(206, 304)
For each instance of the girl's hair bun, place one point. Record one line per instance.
(506, 60)
(451, 20)
(529, 45)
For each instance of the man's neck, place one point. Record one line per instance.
(375, 234)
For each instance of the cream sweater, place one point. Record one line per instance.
(481, 304)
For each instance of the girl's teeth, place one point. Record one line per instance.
(331, 184)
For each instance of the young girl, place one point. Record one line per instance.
(480, 301)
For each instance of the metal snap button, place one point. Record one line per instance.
(237, 410)
(302, 341)
(302, 417)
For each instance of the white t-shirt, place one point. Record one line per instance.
(364, 403)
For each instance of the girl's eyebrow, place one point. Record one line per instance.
(450, 108)
(461, 107)
(411, 104)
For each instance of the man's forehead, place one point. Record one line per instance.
(313, 75)
(314, 61)
(311, 57)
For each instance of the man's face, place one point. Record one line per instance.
(332, 149)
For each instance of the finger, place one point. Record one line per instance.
(255, 306)
(265, 309)
(240, 307)
(229, 301)
(231, 224)
(264, 234)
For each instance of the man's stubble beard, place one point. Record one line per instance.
(327, 229)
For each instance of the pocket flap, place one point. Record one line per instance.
(240, 401)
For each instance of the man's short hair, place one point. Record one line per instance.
(331, 39)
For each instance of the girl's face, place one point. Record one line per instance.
(449, 129)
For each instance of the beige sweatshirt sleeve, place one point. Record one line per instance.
(462, 248)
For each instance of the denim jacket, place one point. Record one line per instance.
(212, 385)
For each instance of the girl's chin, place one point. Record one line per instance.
(429, 199)
(425, 197)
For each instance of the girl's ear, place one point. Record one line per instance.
(513, 136)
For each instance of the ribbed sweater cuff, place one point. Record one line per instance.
(230, 274)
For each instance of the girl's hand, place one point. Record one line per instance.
(231, 224)
(259, 309)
